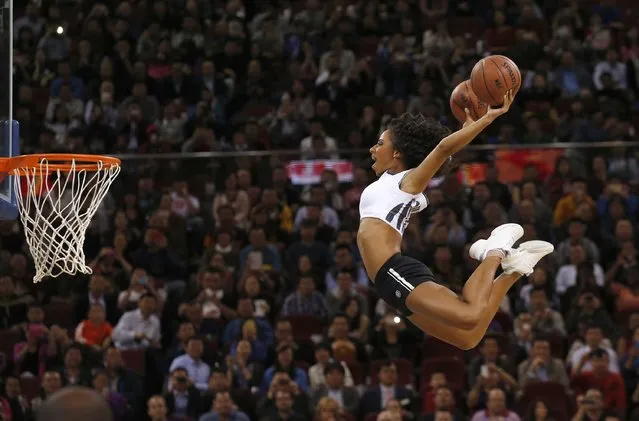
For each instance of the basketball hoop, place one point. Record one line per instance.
(57, 196)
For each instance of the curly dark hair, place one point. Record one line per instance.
(415, 136)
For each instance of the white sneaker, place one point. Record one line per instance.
(524, 258)
(502, 238)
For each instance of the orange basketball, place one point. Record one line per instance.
(492, 76)
(464, 97)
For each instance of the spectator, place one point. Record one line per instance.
(138, 329)
(496, 407)
(541, 366)
(224, 408)
(95, 331)
(51, 383)
(317, 372)
(284, 364)
(376, 397)
(198, 371)
(182, 399)
(347, 398)
(305, 301)
(600, 377)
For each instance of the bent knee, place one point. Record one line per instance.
(467, 343)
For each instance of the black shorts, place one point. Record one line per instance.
(398, 277)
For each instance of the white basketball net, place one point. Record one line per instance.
(56, 213)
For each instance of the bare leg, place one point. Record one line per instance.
(461, 338)
(432, 300)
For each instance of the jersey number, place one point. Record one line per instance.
(403, 209)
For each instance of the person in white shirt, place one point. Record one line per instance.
(567, 274)
(138, 329)
(613, 66)
(197, 369)
(594, 339)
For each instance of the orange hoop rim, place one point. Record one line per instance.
(64, 162)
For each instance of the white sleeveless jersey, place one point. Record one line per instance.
(384, 200)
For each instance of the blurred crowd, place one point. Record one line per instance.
(221, 291)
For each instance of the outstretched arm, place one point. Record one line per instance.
(416, 181)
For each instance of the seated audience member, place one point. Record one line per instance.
(327, 409)
(13, 303)
(185, 332)
(117, 402)
(51, 383)
(182, 399)
(346, 397)
(284, 363)
(324, 357)
(392, 338)
(489, 354)
(600, 377)
(74, 372)
(496, 408)
(344, 290)
(444, 401)
(541, 366)
(492, 377)
(122, 380)
(376, 397)
(15, 399)
(156, 409)
(224, 409)
(245, 373)
(593, 339)
(590, 407)
(344, 347)
(245, 311)
(97, 295)
(259, 350)
(220, 382)
(283, 334)
(95, 331)
(305, 301)
(138, 329)
(271, 404)
(198, 371)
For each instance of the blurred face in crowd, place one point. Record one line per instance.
(481, 193)
(12, 387)
(223, 404)
(624, 230)
(100, 382)
(245, 308)
(538, 300)
(577, 254)
(252, 286)
(156, 408)
(540, 349)
(490, 350)
(211, 280)
(249, 330)
(285, 357)
(243, 349)
(218, 382)
(283, 331)
(73, 358)
(496, 402)
(443, 416)
(51, 382)
(113, 358)
(388, 375)
(147, 305)
(593, 400)
(97, 314)
(344, 281)
(258, 238)
(322, 355)
(283, 401)
(180, 379)
(340, 327)
(306, 286)
(334, 379)
(593, 337)
(185, 332)
(444, 398)
(35, 314)
(194, 348)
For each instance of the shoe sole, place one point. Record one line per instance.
(537, 246)
(519, 230)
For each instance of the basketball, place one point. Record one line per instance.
(464, 97)
(492, 76)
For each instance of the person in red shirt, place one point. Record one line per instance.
(95, 331)
(610, 384)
